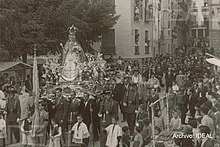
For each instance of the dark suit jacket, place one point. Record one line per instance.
(85, 111)
(191, 102)
(169, 78)
(132, 101)
(61, 110)
(119, 92)
(154, 98)
(208, 143)
(13, 109)
(29, 85)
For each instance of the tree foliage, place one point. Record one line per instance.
(46, 23)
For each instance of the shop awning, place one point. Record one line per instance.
(13, 66)
(214, 61)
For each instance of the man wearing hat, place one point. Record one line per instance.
(169, 78)
(13, 110)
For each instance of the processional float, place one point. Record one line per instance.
(71, 71)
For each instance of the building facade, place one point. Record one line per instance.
(174, 27)
(214, 24)
(145, 28)
(136, 33)
(200, 20)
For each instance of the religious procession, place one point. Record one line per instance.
(109, 73)
(81, 100)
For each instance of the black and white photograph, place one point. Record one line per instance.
(109, 73)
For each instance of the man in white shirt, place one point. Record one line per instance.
(206, 120)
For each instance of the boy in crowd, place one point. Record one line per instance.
(175, 123)
(114, 133)
(126, 138)
(80, 132)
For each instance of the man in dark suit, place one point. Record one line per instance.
(61, 108)
(154, 96)
(73, 108)
(159, 75)
(169, 78)
(85, 110)
(205, 141)
(131, 104)
(119, 93)
(29, 84)
(200, 93)
(13, 109)
(191, 102)
(61, 112)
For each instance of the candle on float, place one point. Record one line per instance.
(104, 117)
(71, 116)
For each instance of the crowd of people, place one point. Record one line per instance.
(127, 89)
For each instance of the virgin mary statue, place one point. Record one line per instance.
(72, 55)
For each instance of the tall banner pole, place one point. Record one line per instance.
(91, 111)
(168, 119)
(35, 92)
(153, 125)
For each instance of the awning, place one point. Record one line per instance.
(213, 61)
(13, 66)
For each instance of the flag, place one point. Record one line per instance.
(35, 94)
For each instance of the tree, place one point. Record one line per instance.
(46, 23)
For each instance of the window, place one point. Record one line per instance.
(213, 11)
(138, 10)
(137, 50)
(136, 37)
(218, 10)
(147, 43)
(200, 33)
(162, 34)
(108, 42)
(195, 10)
(194, 4)
(194, 33)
